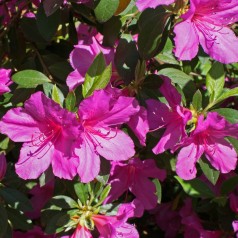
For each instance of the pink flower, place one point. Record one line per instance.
(81, 232)
(83, 55)
(173, 117)
(208, 138)
(116, 226)
(143, 4)
(3, 166)
(134, 176)
(48, 133)
(100, 116)
(5, 80)
(207, 23)
(235, 228)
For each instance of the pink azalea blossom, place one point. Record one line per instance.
(116, 226)
(173, 117)
(235, 228)
(208, 138)
(143, 4)
(207, 23)
(83, 55)
(100, 116)
(134, 176)
(48, 133)
(80, 232)
(3, 166)
(5, 80)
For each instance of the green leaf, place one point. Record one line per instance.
(3, 221)
(50, 6)
(229, 185)
(231, 115)
(29, 78)
(226, 94)
(97, 77)
(70, 101)
(105, 9)
(158, 190)
(197, 100)
(104, 194)
(57, 95)
(15, 198)
(151, 27)
(211, 173)
(215, 81)
(195, 188)
(47, 26)
(18, 220)
(81, 191)
(64, 202)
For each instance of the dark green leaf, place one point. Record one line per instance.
(195, 188)
(29, 78)
(15, 198)
(81, 191)
(215, 80)
(105, 9)
(50, 6)
(70, 101)
(104, 194)
(197, 101)
(64, 202)
(151, 27)
(229, 185)
(47, 26)
(3, 220)
(211, 173)
(97, 77)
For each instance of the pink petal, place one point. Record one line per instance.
(64, 167)
(143, 4)
(89, 162)
(221, 155)
(157, 111)
(34, 160)
(19, 125)
(114, 144)
(219, 42)
(144, 190)
(127, 231)
(74, 79)
(187, 157)
(186, 40)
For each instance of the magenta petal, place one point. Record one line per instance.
(144, 190)
(187, 157)
(19, 125)
(89, 161)
(157, 111)
(186, 40)
(74, 79)
(219, 42)
(221, 155)
(127, 231)
(143, 4)
(169, 139)
(151, 170)
(64, 167)
(139, 125)
(34, 160)
(114, 144)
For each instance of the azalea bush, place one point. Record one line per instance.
(118, 118)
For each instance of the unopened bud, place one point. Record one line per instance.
(3, 166)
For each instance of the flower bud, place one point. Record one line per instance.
(3, 166)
